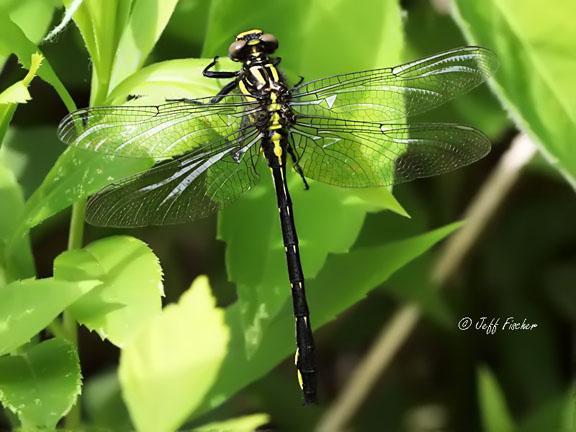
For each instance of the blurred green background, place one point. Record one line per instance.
(521, 265)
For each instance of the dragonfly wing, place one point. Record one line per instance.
(394, 93)
(183, 189)
(363, 154)
(161, 131)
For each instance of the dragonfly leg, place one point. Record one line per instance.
(217, 74)
(224, 91)
(217, 98)
(297, 166)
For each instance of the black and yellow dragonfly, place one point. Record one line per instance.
(346, 130)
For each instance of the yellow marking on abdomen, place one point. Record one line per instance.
(276, 140)
(273, 105)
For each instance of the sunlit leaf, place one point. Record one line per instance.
(240, 424)
(28, 306)
(131, 286)
(101, 24)
(33, 16)
(14, 41)
(18, 262)
(18, 92)
(169, 79)
(495, 414)
(147, 21)
(76, 175)
(41, 383)
(536, 81)
(166, 370)
(26, 158)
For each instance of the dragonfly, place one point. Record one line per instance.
(348, 130)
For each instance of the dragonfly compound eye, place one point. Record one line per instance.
(270, 42)
(236, 51)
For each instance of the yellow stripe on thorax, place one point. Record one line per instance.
(274, 71)
(255, 71)
(245, 91)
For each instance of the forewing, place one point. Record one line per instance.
(183, 189)
(161, 131)
(384, 95)
(363, 154)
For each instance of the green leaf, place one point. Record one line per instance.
(166, 370)
(76, 175)
(413, 284)
(101, 25)
(186, 30)
(41, 383)
(28, 306)
(14, 41)
(240, 424)
(363, 269)
(168, 79)
(119, 36)
(495, 414)
(536, 81)
(33, 17)
(147, 21)
(17, 93)
(336, 288)
(131, 288)
(327, 218)
(18, 262)
(30, 152)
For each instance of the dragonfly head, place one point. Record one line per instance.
(252, 43)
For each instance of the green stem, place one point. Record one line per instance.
(57, 329)
(76, 232)
(75, 239)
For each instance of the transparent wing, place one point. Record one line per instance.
(183, 189)
(160, 131)
(363, 154)
(394, 93)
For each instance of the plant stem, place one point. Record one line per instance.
(75, 239)
(76, 232)
(396, 331)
